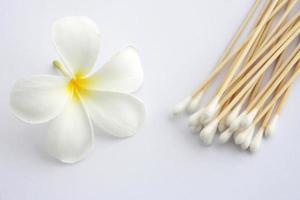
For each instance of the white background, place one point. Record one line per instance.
(179, 42)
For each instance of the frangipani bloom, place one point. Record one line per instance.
(74, 102)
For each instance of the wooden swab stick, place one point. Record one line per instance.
(247, 117)
(250, 112)
(265, 112)
(254, 49)
(234, 101)
(289, 6)
(191, 102)
(248, 85)
(265, 62)
(271, 123)
(257, 21)
(251, 53)
(232, 70)
(251, 92)
(268, 116)
(282, 101)
(220, 64)
(208, 132)
(240, 30)
(210, 110)
(265, 46)
(256, 88)
(286, 13)
(238, 96)
(254, 69)
(266, 127)
(260, 41)
(245, 137)
(269, 130)
(284, 90)
(262, 48)
(274, 82)
(268, 123)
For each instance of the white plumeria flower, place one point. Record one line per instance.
(73, 102)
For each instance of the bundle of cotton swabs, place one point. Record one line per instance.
(259, 71)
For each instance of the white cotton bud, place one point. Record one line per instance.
(207, 134)
(225, 136)
(272, 126)
(194, 103)
(233, 115)
(199, 128)
(235, 124)
(222, 125)
(209, 112)
(196, 129)
(194, 119)
(255, 144)
(248, 139)
(241, 137)
(247, 119)
(181, 106)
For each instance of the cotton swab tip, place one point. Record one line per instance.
(209, 111)
(193, 120)
(234, 126)
(248, 139)
(225, 136)
(255, 143)
(241, 137)
(181, 106)
(232, 116)
(272, 126)
(194, 103)
(246, 120)
(196, 129)
(222, 125)
(207, 114)
(207, 134)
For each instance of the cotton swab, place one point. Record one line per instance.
(273, 121)
(192, 101)
(257, 70)
(260, 99)
(213, 106)
(199, 90)
(225, 136)
(246, 116)
(283, 90)
(247, 98)
(256, 141)
(266, 46)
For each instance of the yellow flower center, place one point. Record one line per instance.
(77, 86)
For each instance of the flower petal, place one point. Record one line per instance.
(116, 113)
(77, 40)
(122, 73)
(70, 135)
(39, 98)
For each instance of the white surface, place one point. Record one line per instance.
(179, 42)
